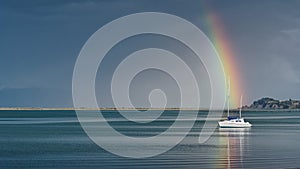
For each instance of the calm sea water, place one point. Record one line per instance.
(55, 139)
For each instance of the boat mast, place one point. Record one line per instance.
(228, 96)
(241, 104)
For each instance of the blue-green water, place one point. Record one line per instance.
(55, 139)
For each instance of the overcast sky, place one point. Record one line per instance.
(40, 41)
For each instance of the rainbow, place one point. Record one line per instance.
(226, 53)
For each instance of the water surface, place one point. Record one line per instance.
(55, 139)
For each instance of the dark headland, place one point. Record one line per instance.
(268, 103)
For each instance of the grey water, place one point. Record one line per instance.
(55, 139)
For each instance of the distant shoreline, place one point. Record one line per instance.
(142, 109)
(265, 104)
(37, 108)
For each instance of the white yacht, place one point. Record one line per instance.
(234, 122)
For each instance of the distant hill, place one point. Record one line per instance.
(270, 103)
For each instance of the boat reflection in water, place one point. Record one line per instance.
(234, 142)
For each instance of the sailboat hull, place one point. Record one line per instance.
(234, 124)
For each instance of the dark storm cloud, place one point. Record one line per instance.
(40, 41)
